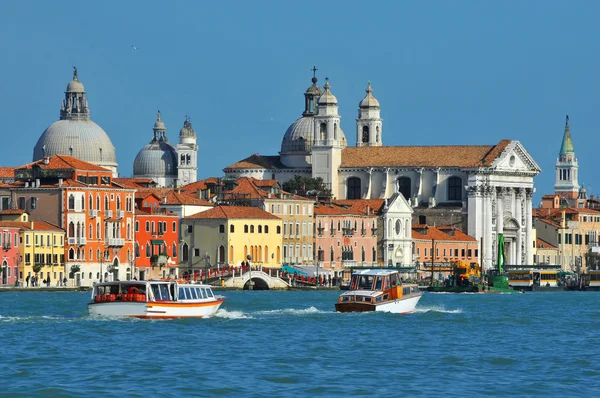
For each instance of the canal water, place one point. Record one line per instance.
(284, 344)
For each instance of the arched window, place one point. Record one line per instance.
(404, 187)
(322, 131)
(184, 252)
(335, 132)
(251, 229)
(91, 202)
(331, 254)
(182, 161)
(137, 226)
(174, 254)
(260, 229)
(221, 258)
(377, 136)
(232, 228)
(71, 230)
(363, 254)
(365, 134)
(353, 188)
(279, 229)
(148, 254)
(245, 228)
(454, 188)
(71, 254)
(98, 202)
(118, 202)
(71, 202)
(266, 229)
(106, 202)
(374, 254)
(137, 250)
(91, 234)
(278, 254)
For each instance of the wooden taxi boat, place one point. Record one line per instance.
(379, 290)
(153, 299)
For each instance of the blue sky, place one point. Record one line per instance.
(459, 72)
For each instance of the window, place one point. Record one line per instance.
(174, 254)
(184, 252)
(147, 226)
(137, 226)
(404, 187)
(190, 228)
(148, 253)
(196, 252)
(454, 188)
(353, 188)
(21, 202)
(33, 203)
(232, 228)
(260, 229)
(278, 229)
(174, 226)
(251, 229)
(245, 228)
(71, 202)
(266, 229)
(222, 228)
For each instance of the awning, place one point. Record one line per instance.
(157, 242)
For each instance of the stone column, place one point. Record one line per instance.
(500, 210)
(487, 227)
(384, 185)
(369, 178)
(528, 226)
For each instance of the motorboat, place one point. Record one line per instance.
(153, 299)
(379, 290)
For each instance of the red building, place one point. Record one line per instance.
(156, 239)
(9, 255)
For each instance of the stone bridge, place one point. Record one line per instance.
(260, 281)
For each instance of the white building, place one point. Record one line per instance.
(489, 186)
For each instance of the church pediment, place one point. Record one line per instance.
(397, 204)
(515, 158)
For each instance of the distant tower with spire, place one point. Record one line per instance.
(368, 124)
(567, 168)
(187, 151)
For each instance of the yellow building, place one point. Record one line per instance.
(227, 235)
(42, 245)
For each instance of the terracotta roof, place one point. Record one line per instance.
(257, 161)
(12, 211)
(64, 162)
(542, 244)
(549, 196)
(7, 172)
(133, 183)
(66, 183)
(374, 205)
(234, 212)
(265, 183)
(201, 185)
(441, 233)
(334, 209)
(423, 156)
(37, 226)
(159, 192)
(182, 198)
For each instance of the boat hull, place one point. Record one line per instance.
(157, 310)
(401, 306)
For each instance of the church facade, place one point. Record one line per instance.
(486, 190)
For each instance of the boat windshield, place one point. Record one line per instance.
(362, 282)
(161, 292)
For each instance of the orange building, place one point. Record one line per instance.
(156, 239)
(443, 245)
(83, 199)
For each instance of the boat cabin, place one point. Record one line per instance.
(150, 291)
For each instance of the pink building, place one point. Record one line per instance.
(9, 256)
(345, 237)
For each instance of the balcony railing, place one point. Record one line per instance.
(109, 214)
(81, 241)
(93, 213)
(116, 241)
(120, 213)
(348, 231)
(349, 263)
(6, 246)
(72, 241)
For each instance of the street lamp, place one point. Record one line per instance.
(249, 258)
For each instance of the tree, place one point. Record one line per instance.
(305, 186)
(37, 268)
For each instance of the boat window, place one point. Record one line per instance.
(415, 289)
(204, 293)
(365, 282)
(346, 298)
(209, 293)
(394, 280)
(194, 293)
(378, 283)
(406, 291)
(378, 299)
(155, 292)
(164, 292)
(385, 297)
(387, 283)
(182, 293)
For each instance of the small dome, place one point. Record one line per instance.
(157, 159)
(187, 131)
(82, 139)
(159, 125)
(299, 137)
(327, 98)
(75, 86)
(369, 101)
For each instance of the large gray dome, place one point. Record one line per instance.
(157, 159)
(82, 139)
(300, 136)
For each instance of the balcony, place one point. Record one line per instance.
(349, 263)
(109, 213)
(81, 241)
(93, 213)
(363, 232)
(320, 231)
(116, 242)
(120, 213)
(6, 246)
(348, 231)
(72, 241)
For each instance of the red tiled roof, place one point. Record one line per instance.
(440, 234)
(423, 156)
(257, 161)
(7, 172)
(374, 205)
(37, 226)
(133, 183)
(64, 162)
(542, 244)
(201, 185)
(182, 198)
(334, 209)
(12, 211)
(234, 212)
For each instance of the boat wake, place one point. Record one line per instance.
(437, 308)
(221, 313)
(293, 311)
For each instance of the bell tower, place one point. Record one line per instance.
(567, 168)
(368, 124)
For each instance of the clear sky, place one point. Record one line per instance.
(445, 72)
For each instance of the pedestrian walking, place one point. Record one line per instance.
(27, 280)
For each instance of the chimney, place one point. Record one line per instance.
(60, 182)
(367, 210)
(46, 160)
(31, 225)
(164, 200)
